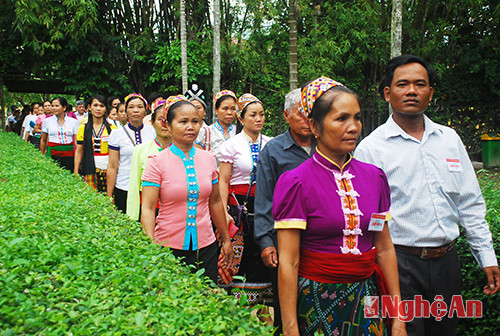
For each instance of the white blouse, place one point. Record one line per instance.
(212, 137)
(238, 152)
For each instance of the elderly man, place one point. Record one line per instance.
(285, 152)
(433, 190)
(80, 110)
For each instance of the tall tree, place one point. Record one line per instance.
(396, 27)
(183, 47)
(292, 8)
(217, 60)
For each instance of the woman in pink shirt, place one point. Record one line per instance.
(185, 180)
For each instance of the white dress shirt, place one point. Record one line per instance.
(433, 188)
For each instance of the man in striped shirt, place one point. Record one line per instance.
(433, 189)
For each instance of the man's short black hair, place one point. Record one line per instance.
(155, 95)
(399, 61)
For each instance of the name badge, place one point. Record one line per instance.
(378, 220)
(454, 165)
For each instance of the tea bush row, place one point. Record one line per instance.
(473, 278)
(71, 264)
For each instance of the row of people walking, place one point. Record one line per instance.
(317, 222)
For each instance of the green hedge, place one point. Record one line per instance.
(71, 264)
(474, 278)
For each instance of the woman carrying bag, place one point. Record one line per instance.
(238, 157)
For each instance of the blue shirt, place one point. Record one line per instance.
(278, 156)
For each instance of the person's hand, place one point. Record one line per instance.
(269, 257)
(227, 249)
(398, 328)
(229, 219)
(493, 275)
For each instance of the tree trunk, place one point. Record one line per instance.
(216, 87)
(396, 27)
(293, 43)
(183, 47)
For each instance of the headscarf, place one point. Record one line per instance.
(157, 103)
(224, 93)
(195, 93)
(311, 93)
(168, 104)
(135, 95)
(244, 100)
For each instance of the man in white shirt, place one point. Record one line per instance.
(26, 130)
(433, 189)
(80, 110)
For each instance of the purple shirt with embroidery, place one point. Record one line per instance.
(331, 205)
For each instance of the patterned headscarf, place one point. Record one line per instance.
(224, 93)
(244, 100)
(135, 95)
(168, 103)
(157, 103)
(311, 93)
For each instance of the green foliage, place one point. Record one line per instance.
(473, 277)
(343, 40)
(51, 25)
(167, 61)
(71, 264)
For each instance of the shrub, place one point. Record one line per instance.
(70, 263)
(473, 277)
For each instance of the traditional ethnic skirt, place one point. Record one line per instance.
(97, 180)
(336, 309)
(64, 154)
(248, 264)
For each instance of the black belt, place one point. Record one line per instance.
(428, 252)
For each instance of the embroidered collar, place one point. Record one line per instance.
(135, 129)
(250, 139)
(219, 127)
(160, 147)
(326, 162)
(177, 151)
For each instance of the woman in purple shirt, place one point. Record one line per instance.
(331, 212)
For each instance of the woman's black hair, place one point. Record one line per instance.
(221, 99)
(239, 125)
(324, 104)
(62, 101)
(88, 163)
(172, 110)
(109, 101)
(108, 110)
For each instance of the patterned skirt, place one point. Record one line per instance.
(336, 309)
(97, 180)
